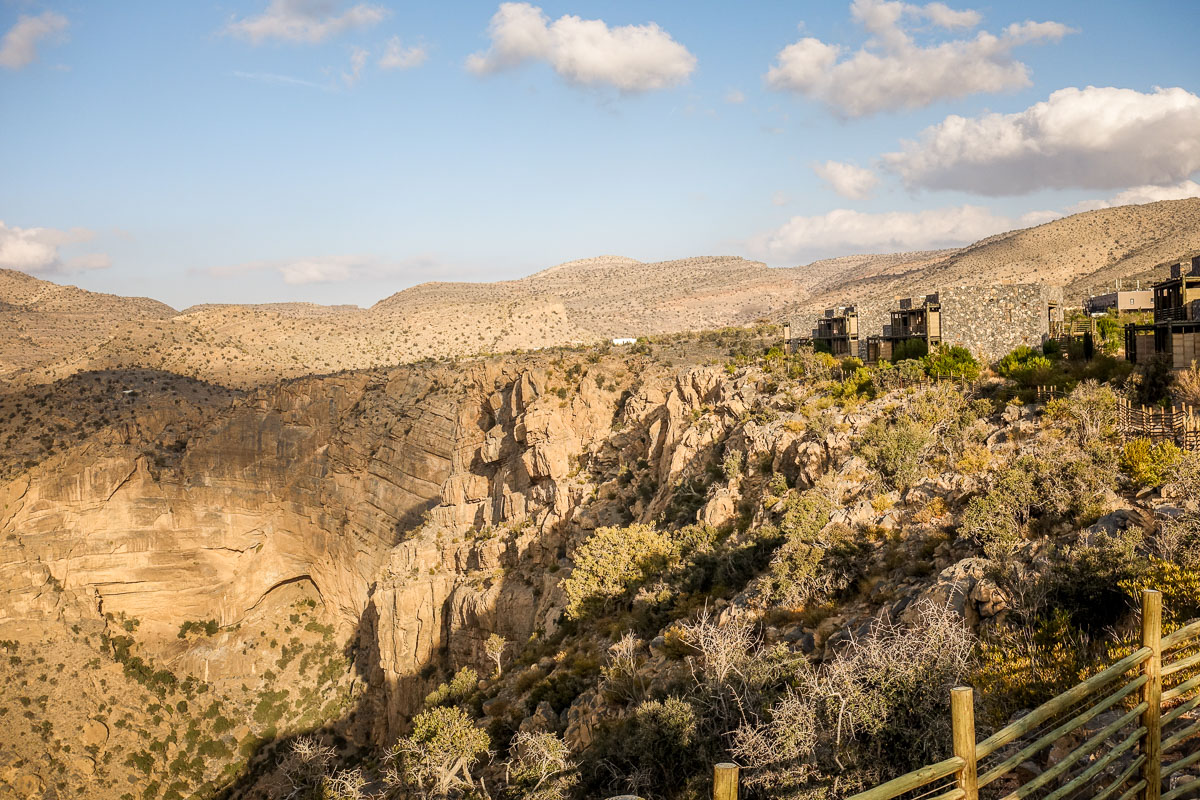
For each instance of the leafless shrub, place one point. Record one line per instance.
(623, 676)
(888, 689)
(1178, 540)
(723, 649)
(305, 771)
(1187, 385)
(778, 750)
(542, 767)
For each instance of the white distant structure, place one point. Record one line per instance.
(625, 340)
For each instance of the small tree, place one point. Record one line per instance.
(436, 759)
(494, 648)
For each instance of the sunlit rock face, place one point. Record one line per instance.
(371, 488)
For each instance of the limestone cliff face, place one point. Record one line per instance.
(425, 505)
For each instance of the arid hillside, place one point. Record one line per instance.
(1089, 250)
(53, 331)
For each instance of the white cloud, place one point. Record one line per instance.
(585, 52)
(305, 20)
(19, 46)
(358, 60)
(780, 199)
(734, 97)
(843, 231)
(335, 269)
(848, 180)
(1142, 194)
(36, 250)
(891, 71)
(1093, 138)
(397, 56)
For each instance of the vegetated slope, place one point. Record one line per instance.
(695, 552)
(217, 558)
(41, 322)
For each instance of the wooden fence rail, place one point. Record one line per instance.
(1131, 757)
(1178, 424)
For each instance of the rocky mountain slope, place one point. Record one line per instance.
(385, 505)
(207, 573)
(55, 331)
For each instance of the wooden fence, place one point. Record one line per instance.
(1044, 393)
(1128, 733)
(1178, 424)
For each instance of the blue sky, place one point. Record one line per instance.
(267, 150)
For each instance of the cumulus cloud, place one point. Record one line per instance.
(843, 231)
(397, 56)
(19, 46)
(36, 250)
(892, 71)
(585, 52)
(305, 21)
(334, 269)
(1142, 194)
(848, 180)
(1093, 138)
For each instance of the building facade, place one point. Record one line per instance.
(1175, 332)
(837, 332)
(1123, 300)
(990, 321)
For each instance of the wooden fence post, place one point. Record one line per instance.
(1152, 693)
(725, 782)
(962, 718)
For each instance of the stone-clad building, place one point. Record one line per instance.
(990, 321)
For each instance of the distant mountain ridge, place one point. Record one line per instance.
(52, 331)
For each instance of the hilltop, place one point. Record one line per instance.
(53, 331)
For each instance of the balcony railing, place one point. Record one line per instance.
(1170, 314)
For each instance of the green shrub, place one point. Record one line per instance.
(439, 754)
(804, 515)
(1150, 463)
(1026, 366)
(889, 376)
(612, 562)
(1112, 334)
(660, 742)
(1089, 413)
(856, 385)
(464, 684)
(895, 451)
(952, 360)
(1060, 484)
(910, 349)
(731, 466)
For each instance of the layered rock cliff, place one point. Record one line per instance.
(422, 509)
